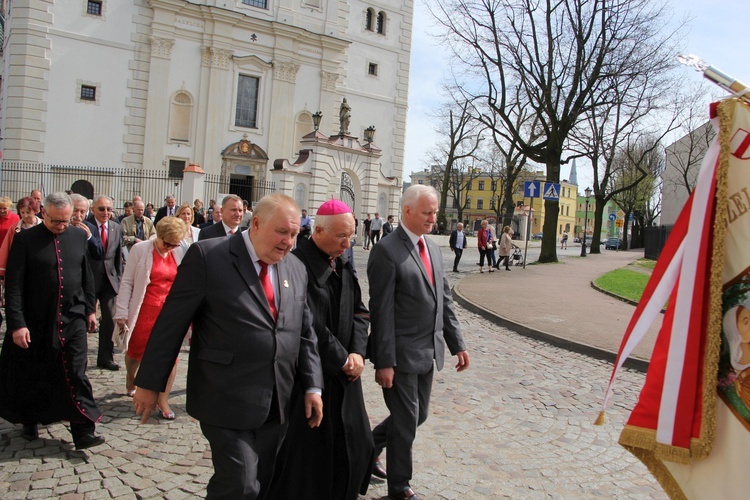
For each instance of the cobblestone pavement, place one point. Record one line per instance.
(518, 424)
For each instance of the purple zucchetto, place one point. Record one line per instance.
(334, 207)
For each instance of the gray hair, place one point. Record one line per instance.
(75, 197)
(325, 221)
(103, 197)
(59, 199)
(229, 197)
(414, 193)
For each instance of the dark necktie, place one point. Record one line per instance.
(425, 260)
(104, 236)
(265, 280)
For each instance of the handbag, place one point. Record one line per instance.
(494, 245)
(121, 337)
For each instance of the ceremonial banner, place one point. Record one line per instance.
(695, 444)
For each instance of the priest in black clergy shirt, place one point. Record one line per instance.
(333, 461)
(50, 306)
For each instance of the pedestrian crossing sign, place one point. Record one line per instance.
(551, 191)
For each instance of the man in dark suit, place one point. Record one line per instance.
(412, 318)
(168, 210)
(457, 242)
(252, 338)
(213, 218)
(231, 217)
(105, 249)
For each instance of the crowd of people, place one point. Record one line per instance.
(277, 343)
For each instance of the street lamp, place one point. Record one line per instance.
(585, 222)
(370, 134)
(316, 119)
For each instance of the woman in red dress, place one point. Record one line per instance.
(150, 271)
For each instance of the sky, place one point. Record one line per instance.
(714, 34)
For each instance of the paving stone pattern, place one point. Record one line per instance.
(518, 424)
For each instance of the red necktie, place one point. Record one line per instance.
(104, 236)
(231, 231)
(265, 280)
(425, 260)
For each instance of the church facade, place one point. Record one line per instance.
(230, 86)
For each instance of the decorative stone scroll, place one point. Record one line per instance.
(161, 47)
(285, 71)
(216, 57)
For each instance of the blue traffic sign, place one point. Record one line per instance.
(612, 217)
(531, 189)
(551, 191)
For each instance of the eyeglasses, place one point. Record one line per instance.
(57, 222)
(108, 209)
(169, 245)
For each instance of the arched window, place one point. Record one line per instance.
(302, 127)
(180, 111)
(369, 15)
(381, 23)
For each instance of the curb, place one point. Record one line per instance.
(638, 364)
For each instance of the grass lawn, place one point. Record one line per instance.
(624, 282)
(647, 263)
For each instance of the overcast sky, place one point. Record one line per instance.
(715, 34)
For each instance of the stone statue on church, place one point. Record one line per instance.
(345, 117)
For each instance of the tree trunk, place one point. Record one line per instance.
(598, 215)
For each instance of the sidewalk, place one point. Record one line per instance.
(556, 303)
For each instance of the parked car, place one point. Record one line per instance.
(613, 244)
(537, 236)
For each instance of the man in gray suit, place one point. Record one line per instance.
(252, 338)
(105, 250)
(412, 319)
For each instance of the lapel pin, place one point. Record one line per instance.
(286, 284)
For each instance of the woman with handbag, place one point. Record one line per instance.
(149, 273)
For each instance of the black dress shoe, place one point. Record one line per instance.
(29, 432)
(406, 494)
(378, 470)
(88, 441)
(109, 365)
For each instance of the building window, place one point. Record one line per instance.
(176, 168)
(372, 69)
(492, 203)
(369, 15)
(493, 186)
(421, 181)
(246, 111)
(468, 186)
(481, 185)
(455, 203)
(263, 4)
(88, 93)
(94, 7)
(480, 204)
(381, 23)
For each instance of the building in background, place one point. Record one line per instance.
(100, 96)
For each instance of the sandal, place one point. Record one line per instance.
(166, 415)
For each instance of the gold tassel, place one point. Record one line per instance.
(600, 419)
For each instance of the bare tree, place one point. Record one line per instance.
(634, 185)
(462, 136)
(556, 59)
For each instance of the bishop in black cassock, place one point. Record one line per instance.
(332, 461)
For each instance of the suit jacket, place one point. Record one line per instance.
(411, 321)
(129, 228)
(212, 231)
(162, 212)
(207, 224)
(106, 266)
(238, 353)
(454, 237)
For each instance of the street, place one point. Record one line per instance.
(517, 424)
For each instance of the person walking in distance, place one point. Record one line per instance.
(457, 242)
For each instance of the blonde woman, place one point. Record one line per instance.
(148, 277)
(185, 212)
